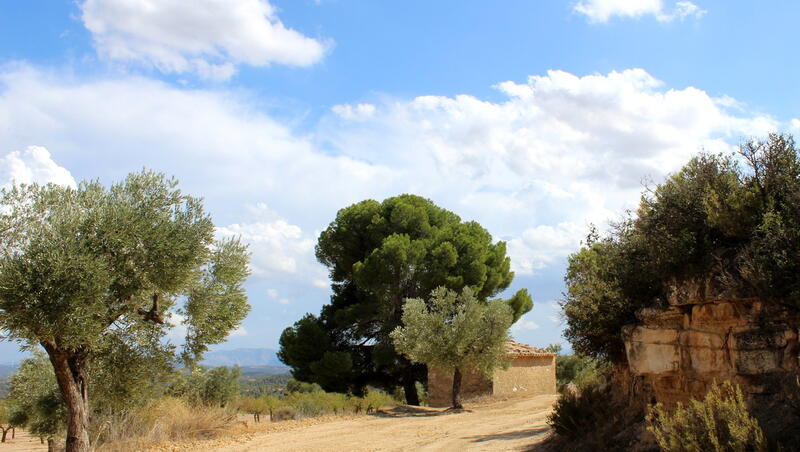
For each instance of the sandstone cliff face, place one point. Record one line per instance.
(702, 335)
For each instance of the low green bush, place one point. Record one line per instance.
(576, 415)
(720, 422)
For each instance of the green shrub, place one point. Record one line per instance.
(584, 371)
(577, 415)
(718, 211)
(720, 422)
(254, 406)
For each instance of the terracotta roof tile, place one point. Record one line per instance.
(517, 349)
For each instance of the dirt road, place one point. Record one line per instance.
(22, 442)
(517, 424)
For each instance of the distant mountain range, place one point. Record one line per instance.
(243, 357)
(252, 361)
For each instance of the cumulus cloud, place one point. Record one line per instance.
(558, 152)
(603, 10)
(524, 324)
(276, 245)
(561, 150)
(34, 164)
(207, 37)
(358, 112)
(536, 247)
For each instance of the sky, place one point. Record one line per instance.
(534, 118)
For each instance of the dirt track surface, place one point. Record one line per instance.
(509, 425)
(22, 443)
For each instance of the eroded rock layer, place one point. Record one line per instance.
(702, 335)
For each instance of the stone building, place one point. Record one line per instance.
(531, 371)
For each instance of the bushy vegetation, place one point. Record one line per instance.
(34, 401)
(593, 418)
(379, 254)
(582, 371)
(217, 386)
(309, 400)
(455, 332)
(735, 214)
(720, 422)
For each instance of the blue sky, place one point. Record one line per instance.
(533, 118)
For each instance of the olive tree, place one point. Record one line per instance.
(455, 332)
(379, 254)
(79, 266)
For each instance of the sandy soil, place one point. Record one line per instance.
(505, 425)
(22, 442)
(515, 424)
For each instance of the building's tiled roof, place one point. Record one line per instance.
(516, 349)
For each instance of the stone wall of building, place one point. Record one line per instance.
(440, 387)
(527, 375)
(703, 335)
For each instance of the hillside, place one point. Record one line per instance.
(251, 357)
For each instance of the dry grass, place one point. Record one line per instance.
(164, 420)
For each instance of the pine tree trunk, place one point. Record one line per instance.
(457, 389)
(410, 389)
(70, 370)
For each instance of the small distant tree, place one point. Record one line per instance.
(34, 399)
(5, 420)
(455, 332)
(221, 386)
(80, 265)
(255, 406)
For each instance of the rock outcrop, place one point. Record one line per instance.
(702, 334)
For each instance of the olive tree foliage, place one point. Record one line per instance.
(94, 271)
(734, 217)
(455, 332)
(378, 255)
(34, 400)
(216, 386)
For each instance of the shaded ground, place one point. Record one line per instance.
(508, 425)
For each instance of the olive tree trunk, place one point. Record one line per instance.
(457, 389)
(70, 370)
(410, 390)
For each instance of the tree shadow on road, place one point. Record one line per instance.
(415, 411)
(513, 435)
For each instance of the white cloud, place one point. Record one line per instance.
(238, 332)
(603, 10)
(794, 126)
(34, 164)
(524, 324)
(274, 295)
(207, 37)
(178, 329)
(539, 246)
(276, 245)
(560, 151)
(321, 283)
(358, 112)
